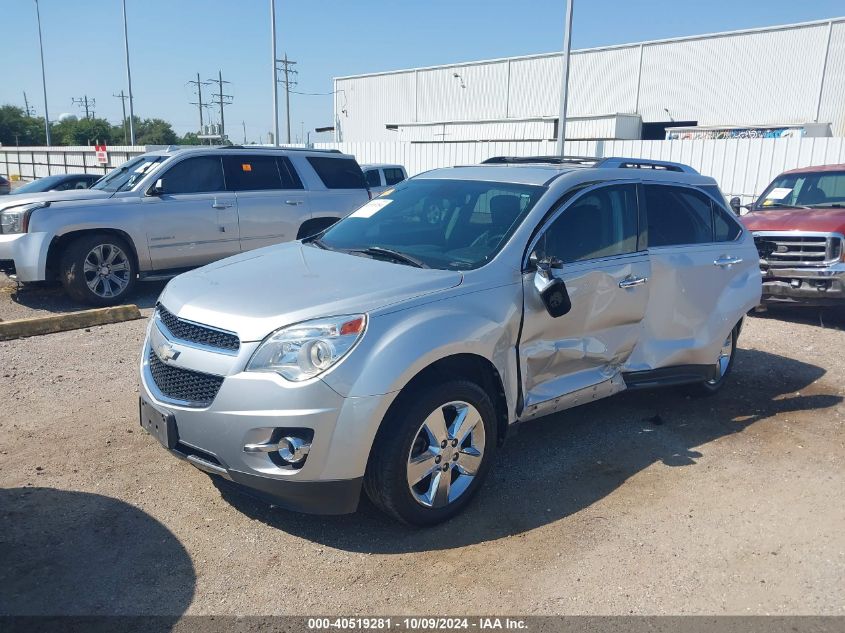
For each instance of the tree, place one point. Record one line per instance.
(154, 132)
(82, 132)
(14, 122)
(190, 138)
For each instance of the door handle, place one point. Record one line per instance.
(631, 282)
(726, 261)
(221, 205)
(293, 203)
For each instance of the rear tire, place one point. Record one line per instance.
(98, 269)
(723, 368)
(448, 470)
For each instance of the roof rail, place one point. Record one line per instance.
(287, 149)
(552, 160)
(616, 162)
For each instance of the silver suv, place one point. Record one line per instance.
(168, 211)
(393, 351)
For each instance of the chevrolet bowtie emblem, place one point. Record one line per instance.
(166, 352)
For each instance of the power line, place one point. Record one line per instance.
(86, 104)
(219, 99)
(287, 68)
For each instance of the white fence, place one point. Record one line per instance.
(742, 167)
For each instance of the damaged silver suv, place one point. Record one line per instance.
(393, 351)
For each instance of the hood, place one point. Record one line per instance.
(52, 196)
(821, 220)
(258, 292)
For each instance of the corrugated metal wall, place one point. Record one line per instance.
(760, 77)
(742, 167)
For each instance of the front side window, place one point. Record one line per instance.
(678, 216)
(445, 224)
(203, 174)
(807, 189)
(373, 179)
(600, 223)
(393, 175)
(251, 173)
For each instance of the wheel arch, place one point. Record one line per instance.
(60, 242)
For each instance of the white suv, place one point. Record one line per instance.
(165, 212)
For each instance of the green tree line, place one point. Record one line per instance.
(16, 128)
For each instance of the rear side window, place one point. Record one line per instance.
(251, 173)
(601, 223)
(338, 173)
(392, 175)
(373, 179)
(678, 216)
(203, 174)
(290, 179)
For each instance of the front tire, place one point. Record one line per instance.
(432, 453)
(98, 270)
(724, 364)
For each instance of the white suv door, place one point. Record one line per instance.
(700, 271)
(577, 357)
(192, 220)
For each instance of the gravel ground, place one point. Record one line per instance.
(646, 503)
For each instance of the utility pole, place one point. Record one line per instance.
(86, 104)
(128, 77)
(199, 84)
(28, 109)
(123, 99)
(564, 87)
(221, 100)
(287, 69)
(275, 74)
(244, 124)
(43, 76)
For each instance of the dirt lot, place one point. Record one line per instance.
(647, 503)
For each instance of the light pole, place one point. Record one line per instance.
(128, 78)
(43, 76)
(275, 74)
(564, 87)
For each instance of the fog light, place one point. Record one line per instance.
(293, 450)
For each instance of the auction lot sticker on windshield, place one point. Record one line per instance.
(371, 208)
(779, 193)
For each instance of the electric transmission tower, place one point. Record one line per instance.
(123, 99)
(220, 100)
(286, 68)
(86, 104)
(28, 109)
(199, 102)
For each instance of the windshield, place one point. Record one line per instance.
(41, 184)
(128, 174)
(809, 190)
(445, 224)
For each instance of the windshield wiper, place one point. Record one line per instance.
(781, 205)
(827, 205)
(397, 256)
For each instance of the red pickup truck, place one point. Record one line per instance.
(799, 228)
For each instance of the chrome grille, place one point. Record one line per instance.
(199, 334)
(190, 387)
(784, 250)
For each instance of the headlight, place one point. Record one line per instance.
(16, 219)
(304, 350)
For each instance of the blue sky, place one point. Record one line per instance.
(171, 40)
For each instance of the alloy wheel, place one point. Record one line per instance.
(106, 270)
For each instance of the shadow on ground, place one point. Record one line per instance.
(75, 553)
(51, 297)
(827, 317)
(561, 464)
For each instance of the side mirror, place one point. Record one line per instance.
(157, 189)
(736, 204)
(552, 290)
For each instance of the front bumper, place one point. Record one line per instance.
(26, 254)
(254, 408)
(808, 286)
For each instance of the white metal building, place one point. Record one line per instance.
(767, 79)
